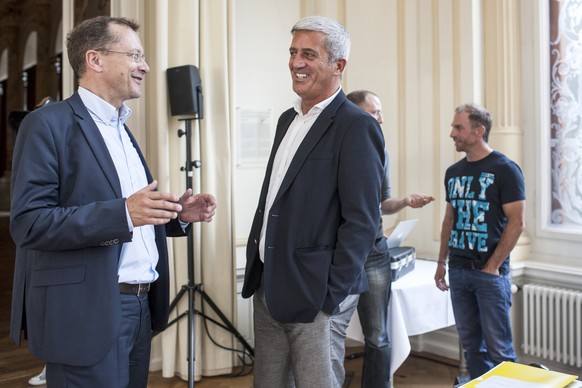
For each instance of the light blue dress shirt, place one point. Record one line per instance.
(140, 256)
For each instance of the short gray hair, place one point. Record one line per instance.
(337, 42)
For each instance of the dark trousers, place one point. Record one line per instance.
(126, 365)
(373, 312)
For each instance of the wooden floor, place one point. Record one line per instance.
(419, 371)
(17, 366)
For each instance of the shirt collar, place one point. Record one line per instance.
(317, 108)
(102, 110)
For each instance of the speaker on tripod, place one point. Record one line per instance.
(185, 91)
(185, 95)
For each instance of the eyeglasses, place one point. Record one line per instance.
(136, 57)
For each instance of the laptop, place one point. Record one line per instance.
(400, 233)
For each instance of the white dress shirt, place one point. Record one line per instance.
(285, 153)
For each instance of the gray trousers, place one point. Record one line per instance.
(301, 355)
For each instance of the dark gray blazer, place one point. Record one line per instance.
(324, 219)
(68, 221)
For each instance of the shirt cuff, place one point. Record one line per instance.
(184, 225)
(129, 223)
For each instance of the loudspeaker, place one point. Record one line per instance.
(185, 91)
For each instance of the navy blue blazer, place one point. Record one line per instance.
(68, 221)
(324, 219)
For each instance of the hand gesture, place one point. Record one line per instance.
(417, 200)
(150, 207)
(197, 208)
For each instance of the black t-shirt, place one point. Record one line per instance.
(477, 191)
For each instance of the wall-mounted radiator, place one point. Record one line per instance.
(552, 319)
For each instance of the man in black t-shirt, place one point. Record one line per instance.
(485, 215)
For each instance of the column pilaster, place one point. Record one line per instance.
(502, 59)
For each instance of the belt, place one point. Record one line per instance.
(134, 289)
(467, 264)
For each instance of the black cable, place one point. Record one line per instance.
(243, 354)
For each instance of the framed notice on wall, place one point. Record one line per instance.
(254, 136)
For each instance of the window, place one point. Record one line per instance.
(565, 58)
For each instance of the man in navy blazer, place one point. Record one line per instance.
(316, 219)
(91, 279)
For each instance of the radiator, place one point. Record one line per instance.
(552, 320)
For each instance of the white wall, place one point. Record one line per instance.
(262, 83)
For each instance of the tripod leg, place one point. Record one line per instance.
(191, 337)
(178, 297)
(224, 319)
(191, 289)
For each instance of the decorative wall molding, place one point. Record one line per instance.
(546, 273)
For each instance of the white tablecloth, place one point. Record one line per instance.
(416, 307)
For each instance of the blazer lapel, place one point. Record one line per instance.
(317, 130)
(95, 142)
(282, 127)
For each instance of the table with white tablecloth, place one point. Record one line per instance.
(416, 306)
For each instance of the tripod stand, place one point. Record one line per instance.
(191, 287)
